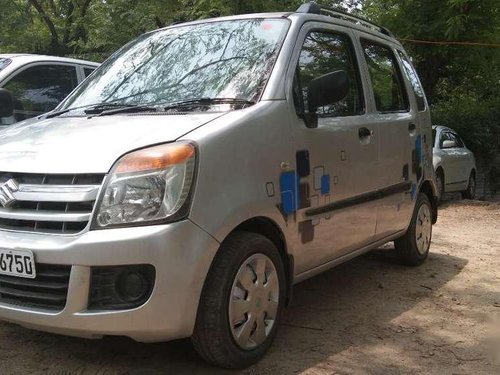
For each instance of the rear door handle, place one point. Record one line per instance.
(412, 127)
(365, 132)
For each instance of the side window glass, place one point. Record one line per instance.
(41, 88)
(87, 71)
(445, 136)
(323, 53)
(458, 140)
(411, 75)
(388, 88)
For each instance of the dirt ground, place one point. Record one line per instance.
(368, 316)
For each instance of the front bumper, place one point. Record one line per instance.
(180, 252)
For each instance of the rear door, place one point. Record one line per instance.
(399, 140)
(450, 161)
(463, 162)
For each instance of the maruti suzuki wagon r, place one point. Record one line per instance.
(203, 169)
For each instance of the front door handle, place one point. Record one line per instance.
(412, 127)
(365, 132)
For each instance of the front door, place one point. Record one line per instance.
(336, 163)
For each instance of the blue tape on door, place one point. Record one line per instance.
(289, 187)
(325, 184)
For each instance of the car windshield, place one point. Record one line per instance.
(223, 59)
(4, 62)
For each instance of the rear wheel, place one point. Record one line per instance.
(414, 246)
(470, 193)
(242, 302)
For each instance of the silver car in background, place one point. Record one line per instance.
(38, 83)
(454, 163)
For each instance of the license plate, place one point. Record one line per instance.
(20, 263)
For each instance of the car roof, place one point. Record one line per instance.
(441, 128)
(334, 17)
(29, 57)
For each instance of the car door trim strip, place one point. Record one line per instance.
(458, 182)
(360, 199)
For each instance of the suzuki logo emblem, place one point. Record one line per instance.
(7, 190)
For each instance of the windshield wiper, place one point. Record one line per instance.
(55, 114)
(125, 109)
(94, 109)
(208, 101)
(104, 109)
(107, 109)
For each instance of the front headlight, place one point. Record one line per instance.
(148, 186)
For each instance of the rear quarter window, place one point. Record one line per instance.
(388, 88)
(411, 75)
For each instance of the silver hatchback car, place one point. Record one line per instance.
(454, 163)
(204, 169)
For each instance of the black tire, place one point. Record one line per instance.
(470, 193)
(440, 186)
(212, 337)
(406, 246)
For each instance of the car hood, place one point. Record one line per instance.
(72, 145)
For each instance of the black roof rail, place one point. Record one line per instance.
(314, 8)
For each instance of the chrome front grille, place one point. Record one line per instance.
(48, 203)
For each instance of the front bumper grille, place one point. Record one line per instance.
(49, 203)
(48, 290)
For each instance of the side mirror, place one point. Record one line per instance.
(324, 90)
(6, 103)
(449, 144)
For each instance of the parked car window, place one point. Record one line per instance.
(41, 88)
(388, 88)
(445, 136)
(4, 63)
(457, 140)
(88, 71)
(434, 137)
(412, 76)
(323, 53)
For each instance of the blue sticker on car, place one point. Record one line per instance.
(289, 188)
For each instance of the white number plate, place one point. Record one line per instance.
(20, 263)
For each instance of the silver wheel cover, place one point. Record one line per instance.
(423, 229)
(253, 302)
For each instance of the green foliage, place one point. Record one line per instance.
(96, 28)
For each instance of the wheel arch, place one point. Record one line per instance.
(271, 230)
(440, 169)
(428, 189)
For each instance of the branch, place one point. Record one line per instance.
(84, 8)
(159, 23)
(68, 23)
(47, 20)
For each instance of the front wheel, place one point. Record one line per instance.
(414, 246)
(242, 302)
